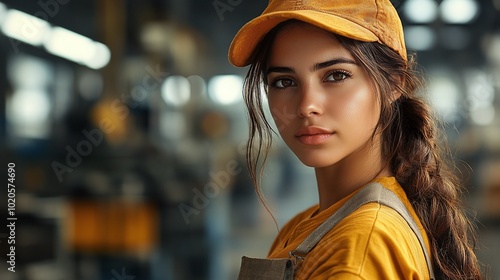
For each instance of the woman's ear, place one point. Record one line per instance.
(396, 94)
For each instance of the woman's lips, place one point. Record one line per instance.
(313, 135)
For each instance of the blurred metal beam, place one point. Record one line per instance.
(111, 19)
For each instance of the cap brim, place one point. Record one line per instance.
(252, 33)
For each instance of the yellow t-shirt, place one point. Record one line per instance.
(373, 242)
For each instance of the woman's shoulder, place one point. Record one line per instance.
(372, 239)
(374, 219)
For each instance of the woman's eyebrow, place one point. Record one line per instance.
(340, 60)
(315, 67)
(279, 70)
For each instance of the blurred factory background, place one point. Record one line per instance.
(126, 126)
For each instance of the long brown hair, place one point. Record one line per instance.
(411, 147)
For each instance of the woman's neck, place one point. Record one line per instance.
(346, 176)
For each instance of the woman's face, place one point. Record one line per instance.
(322, 101)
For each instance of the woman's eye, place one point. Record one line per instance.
(338, 76)
(283, 83)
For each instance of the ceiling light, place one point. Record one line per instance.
(25, 27)
(225, 89)
(3, 12)
(100, 58)
(445, 95)
(420, 11)
(420, 38)
(28, 112)
(459, 11)
(78, 48)
(176, 90)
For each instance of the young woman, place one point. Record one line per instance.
(342, 92)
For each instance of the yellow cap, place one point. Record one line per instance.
(363, 20)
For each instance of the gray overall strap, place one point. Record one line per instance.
(373, 192)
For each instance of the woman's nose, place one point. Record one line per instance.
(310, 103)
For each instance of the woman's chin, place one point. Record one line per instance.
(316, 162)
